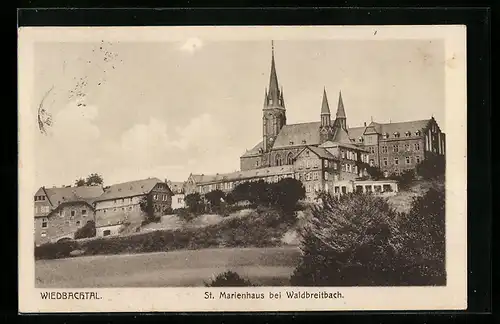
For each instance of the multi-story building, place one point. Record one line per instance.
(178, 194)
(119, 206)
(394, 147)
(60, 212)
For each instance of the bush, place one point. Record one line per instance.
(359, 240)
(349, 241)
(229, 279)
(215, 198)
(432, 167)
(405, 179)
(55, 250)
(88, 230)
(194, 203)
(186, 214)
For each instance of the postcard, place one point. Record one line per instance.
(252, 168)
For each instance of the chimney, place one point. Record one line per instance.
(364, 124)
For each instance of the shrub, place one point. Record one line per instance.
(186, 214)
(405, 179)
(229, 279)
(215, 198)
(374, 173)
(286, 193)
(194, 203)
(55, 250)
(349, 241)
(433, 166)
(88, 230)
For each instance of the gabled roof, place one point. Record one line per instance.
(57, 196)
(255, 151)
(176, 187)
(129, 189)
(325, 108)
(341, 136)
(330, 144)
(320, 152)
(403, 127)
(67, 203)
(340, 107)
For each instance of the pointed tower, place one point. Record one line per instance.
(274, 115)
(326, 128)
(340, 118)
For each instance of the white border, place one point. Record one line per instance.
(453, 296)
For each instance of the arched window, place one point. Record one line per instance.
(289, 158)
(278, 160)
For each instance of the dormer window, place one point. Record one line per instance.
(385, 136)
(408, 134)
(360, 139)
(417, 133)
(396, 134)
(291, 142)
(303, 141)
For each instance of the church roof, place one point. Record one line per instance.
(341, 136)
(254, 151)
(320, 152)
(298, 135)
(308, 134)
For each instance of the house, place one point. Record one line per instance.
(178, 194)
(60, 212)
(119, 206)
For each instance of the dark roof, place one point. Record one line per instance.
(340, 107)
(295, 134)
(255, 151)
(341, 136)
(57, 196)
(329, 144)
(129, 189)
(241, 175)
(320, 152)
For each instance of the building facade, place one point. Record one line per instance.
(119, 207)
(61, 211)
(393, 147)
(178, 194)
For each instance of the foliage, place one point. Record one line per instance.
(359, 240)
(375, 173)
(405, 179)
(94, 179)
(88, 230)
(228, 279)
(80, 182)
(261, 228)
(146, 205)
(432, 167)
(287, 193)
(194, 203)
(55, 250)
(215, 199)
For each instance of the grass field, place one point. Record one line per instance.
(187, 268)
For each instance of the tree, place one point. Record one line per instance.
(404, 179)
(194, 203)
(146, 205)
(80, 182)
(351, 240)
(94, 179)
(433, 166)
(88, 230)
(229, 279)
(215, 198)
(374, 172)
(286, 193)
(241, 192)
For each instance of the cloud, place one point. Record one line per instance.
(191, 45)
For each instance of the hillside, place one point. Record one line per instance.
(403, 199)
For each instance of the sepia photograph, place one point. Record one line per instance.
(259, 165)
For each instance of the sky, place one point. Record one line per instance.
(130, 110)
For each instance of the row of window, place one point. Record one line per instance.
(407, 159)
(45, 223)
(160, 197)
(42, 209)
(310, 164)
(350, 168)
(38, 198)
(395, 148)
(129, 208)
(350, 155)
(397, 134)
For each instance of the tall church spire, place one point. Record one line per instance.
(274, 92)
(340, 108)
(325, 108)
(340, 120)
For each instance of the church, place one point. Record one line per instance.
(326, 155)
